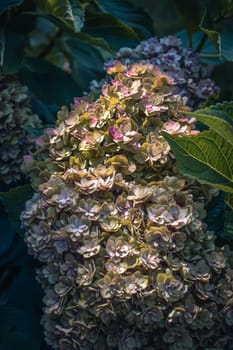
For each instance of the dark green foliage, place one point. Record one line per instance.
(13, 202)
(7, 233)
(14, 52)
(7, 4)
(20, 298)
(49, 83)
(56, 48)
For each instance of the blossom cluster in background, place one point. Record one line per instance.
(183, 64)
(16, 124)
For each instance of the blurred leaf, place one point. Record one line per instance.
(222, 75)
(208, 52)
(164, 15)
(81, 35)
(12, 51)
(183, 35)
(130, 14)
(18, 329)
(216, 209)
(7, 4)
(226, 45)
(48, 82)
(189, 13)
(93, 41)
(70, 12)
(229, 200)
(16, 293)
(114, 31)
(215, 39)
(16, 255)
(7, 234)
(14, 201)
(87, 60)
(46, 112)
(226, 7)
(17, 22)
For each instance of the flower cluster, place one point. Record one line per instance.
(121, 128)
(180, 63)
(127, 261)
(16, 120)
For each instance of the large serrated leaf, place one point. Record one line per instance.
(223, 110)
(70, 12)
(207, 157)
(215, 122)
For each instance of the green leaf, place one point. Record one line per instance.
(226, 43)
(215, 38)
(225, 107)
(70, 12)
(92, 41)
(222, 42)
(87, 60)
(11, 51)
(207, 157)
(14, 201)
(222, 75)
(129, 14)
(80, 35)
(46, 112)
(16, 256)
(48, 82)
(226, 8)
(216, 122)
(18, 330)
(229, 200)
(189, 13)
(7, 234)
(223, 110)
(7, 4)
(114, 31)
